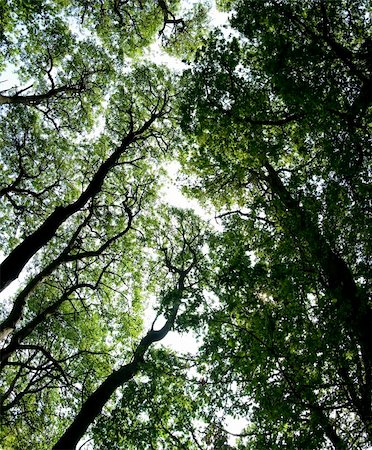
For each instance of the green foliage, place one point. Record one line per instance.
(271, 122)
(278, 117)
(185, 40)
(79, 103)
(144, 417)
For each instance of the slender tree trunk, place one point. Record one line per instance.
(23, 333)
(94, 404)
(352, 306)
(8, 325)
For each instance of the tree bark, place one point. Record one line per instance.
(36, 99)
(23, 333)
(319, 415)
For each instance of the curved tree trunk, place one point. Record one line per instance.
(92, 407)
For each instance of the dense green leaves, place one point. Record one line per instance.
(84, 129)
(279, 117)
(271, 121)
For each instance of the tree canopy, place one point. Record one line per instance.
(271, 122)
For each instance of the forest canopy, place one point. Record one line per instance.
(269, 119)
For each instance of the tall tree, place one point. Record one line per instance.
(84, 130)
(280, 114)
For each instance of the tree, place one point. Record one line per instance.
(82, 139)
(279, 115)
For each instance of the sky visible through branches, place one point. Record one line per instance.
(185, 225)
